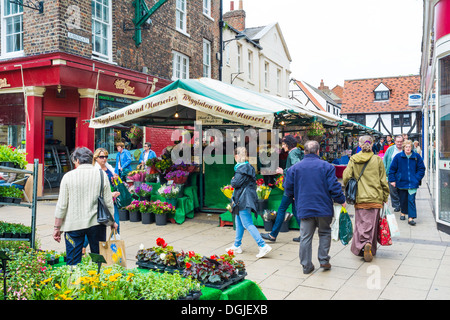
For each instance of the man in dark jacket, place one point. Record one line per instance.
(289, 144)
(313, 184)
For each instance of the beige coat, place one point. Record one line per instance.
(78, 194)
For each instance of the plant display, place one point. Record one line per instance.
(13, 228)
(144, 190)
(10, 192)
(135, 133)
(262, 191)
(136, 175)
(162, 164)
(227, 191)
(12, 154)
(315, 129)
(159, 207)
(177, 174)
(145, 206)
(133, 206)
(169, 191)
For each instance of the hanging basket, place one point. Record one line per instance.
(316, 138)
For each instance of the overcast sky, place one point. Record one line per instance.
(337, 40)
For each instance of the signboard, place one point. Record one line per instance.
(208, 119)
(415, 100)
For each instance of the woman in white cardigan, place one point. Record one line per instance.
(76, 209)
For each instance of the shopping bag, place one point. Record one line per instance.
(345, 227)
(113, 250)
(392, 222)
(125, 198)
(384, 235)
(335, 224)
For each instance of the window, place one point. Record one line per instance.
(401, 120)
(278, 81)
(101, 29)
(180, 66)
(359, 118)
(206, 58)
(382, 95)
(12, 29)
(239, 58)
(250, 65)
(266, 74)
(181, 16)
(207, 7)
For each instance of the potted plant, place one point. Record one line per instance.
(146, 209)
(133, 209)
(263, 193)
(315, 131)
(269, 217)
(12, 157)
(124, 215)
(135, 135)
(144, 191)
(170, 193)
(178, 176)
(161, 210)
(11, 194)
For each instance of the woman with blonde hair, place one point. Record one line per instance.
(406, 172)
(245, 198)
(373, 192)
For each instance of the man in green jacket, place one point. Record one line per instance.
(391, 152)
(289, 144)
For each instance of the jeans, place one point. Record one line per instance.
(116, 219)
(244, 220)
(408, 203)
(75, 240)
(285, 202)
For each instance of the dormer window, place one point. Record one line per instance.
(381, 92)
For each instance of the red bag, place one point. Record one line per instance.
(384, 234)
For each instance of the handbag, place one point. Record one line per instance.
(113, 250)
(235, 206)
(351, 188)
(104, 217)
(345, 227)
(392, 222)
(384, 234)
(125, 197)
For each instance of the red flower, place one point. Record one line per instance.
(230, 253)
(191, 254)
(188, 265)
(260, 182)
(161, 242)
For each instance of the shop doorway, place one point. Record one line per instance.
(59, 135)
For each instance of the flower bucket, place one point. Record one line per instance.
(135, 216)
(148, 217)
(261, 205)
(161, 219)
(268, 225)
(124, 215)
(285, 226)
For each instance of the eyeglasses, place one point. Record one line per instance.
(102, 157)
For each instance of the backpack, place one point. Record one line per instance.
(351, 188)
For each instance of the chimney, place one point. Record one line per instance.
(235, 18)
(322, 86)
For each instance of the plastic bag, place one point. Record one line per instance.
(335, 224)
(345, 227)
(392, 222)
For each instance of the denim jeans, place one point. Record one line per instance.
(285, 202)
(75, 240)
(244, 220)
(408, 203)
(116, 219)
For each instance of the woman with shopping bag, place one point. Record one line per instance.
(372, 193)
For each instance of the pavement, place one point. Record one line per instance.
(415, 267)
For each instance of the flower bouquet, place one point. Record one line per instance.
(178, 176)
(144, 190)
(136, 175)
(263, 192)
(227, 191)
(169, 191)
(279, 182)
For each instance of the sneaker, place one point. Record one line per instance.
(263, 251)
(234, 249)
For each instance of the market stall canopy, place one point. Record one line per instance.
(190, 97)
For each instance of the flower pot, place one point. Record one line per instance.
(135, 216)
(285, 226)
(315, 138)
(148, 217)
(261, 205)
(161, 219)
(124, 215)
(8, 164)
(180, 180)
(268, 225)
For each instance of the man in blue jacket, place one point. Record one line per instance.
(314, 185)
(123, 161)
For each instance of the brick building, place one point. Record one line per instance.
(58, 63)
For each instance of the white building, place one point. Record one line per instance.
(259, 59)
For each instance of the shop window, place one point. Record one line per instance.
(12, 29)
(443, 143)
(181, 16)
(101, 29)
(12, 119)
(359, 118)
(206, 58)
(180, 66)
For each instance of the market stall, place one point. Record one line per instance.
(202, 104)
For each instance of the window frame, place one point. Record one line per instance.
(207, 55)
(207, 8)
(250, 64)
(96, 54)
(11, 54)
(183, 58)
(266, 74)
(181, 13)
(401, 120)
(382, 95)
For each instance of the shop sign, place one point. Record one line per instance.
(415, 100)
(124, 85)
(4, 83)
(208, 119)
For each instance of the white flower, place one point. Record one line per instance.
(162, 256)
(141, 247)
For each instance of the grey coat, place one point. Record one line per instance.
(244, 184)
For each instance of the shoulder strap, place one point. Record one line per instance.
(365, 165)
(101, 183)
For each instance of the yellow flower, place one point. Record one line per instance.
(57, 286)
(107, 271)
(92, 272)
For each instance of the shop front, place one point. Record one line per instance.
(47, 100)
(435, 88)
